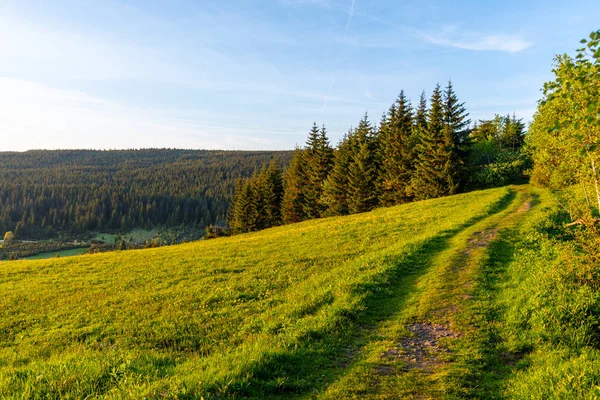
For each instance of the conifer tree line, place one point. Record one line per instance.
(414, 153)
(66, 193)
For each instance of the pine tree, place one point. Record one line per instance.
(335, 188)
(318, 161)
(433, 165)
(398, 164)
(293, 198)
(363, 192)
(456, 132)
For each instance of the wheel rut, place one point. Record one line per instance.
(426, 350)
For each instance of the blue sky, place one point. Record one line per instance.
(240, 74)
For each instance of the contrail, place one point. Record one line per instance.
(350, 16)
(349, 20)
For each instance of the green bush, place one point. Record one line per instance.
(508, 167)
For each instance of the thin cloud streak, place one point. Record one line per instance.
(475, 42)
(125, 74)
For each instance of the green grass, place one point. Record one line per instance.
(140, 236)
(530, 324)
(537, 308)
(434, 297)
(59, 253)
(262, 314)
(308, 310)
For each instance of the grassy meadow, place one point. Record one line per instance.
(318, 309)
(59, 253)
(260, 314)
(137, 236)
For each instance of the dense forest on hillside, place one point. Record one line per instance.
(426, 151)
(47, 193)
(415, 153)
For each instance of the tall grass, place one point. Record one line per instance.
(552, 312)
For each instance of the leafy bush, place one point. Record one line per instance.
(508, 167)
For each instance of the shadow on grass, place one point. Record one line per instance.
(322, 356)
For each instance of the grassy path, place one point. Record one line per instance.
(415, 352)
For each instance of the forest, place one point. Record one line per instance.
(415, 153)
(58, 194)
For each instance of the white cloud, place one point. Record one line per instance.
(477, 42)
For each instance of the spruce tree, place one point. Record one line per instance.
(362, 181)
(418, 129)
(383, 134)
(365, 133)
(456, 132)
(335, 188)
(292, 209)
(433, 164)
(258, 201)
(421, 113)
(398, 164)
(513, 133)
(384, 130)
(273, 193)
(233, 205)
(242, 208)
(258, 218)
(363, 192)
(318, 161)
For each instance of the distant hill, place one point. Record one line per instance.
(45, 193)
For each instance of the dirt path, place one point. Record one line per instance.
(426, 351)
(429, 341)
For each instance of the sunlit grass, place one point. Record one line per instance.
(59, 253)
(262, 314)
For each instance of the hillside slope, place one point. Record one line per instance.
(46, 193)
(316, 309)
